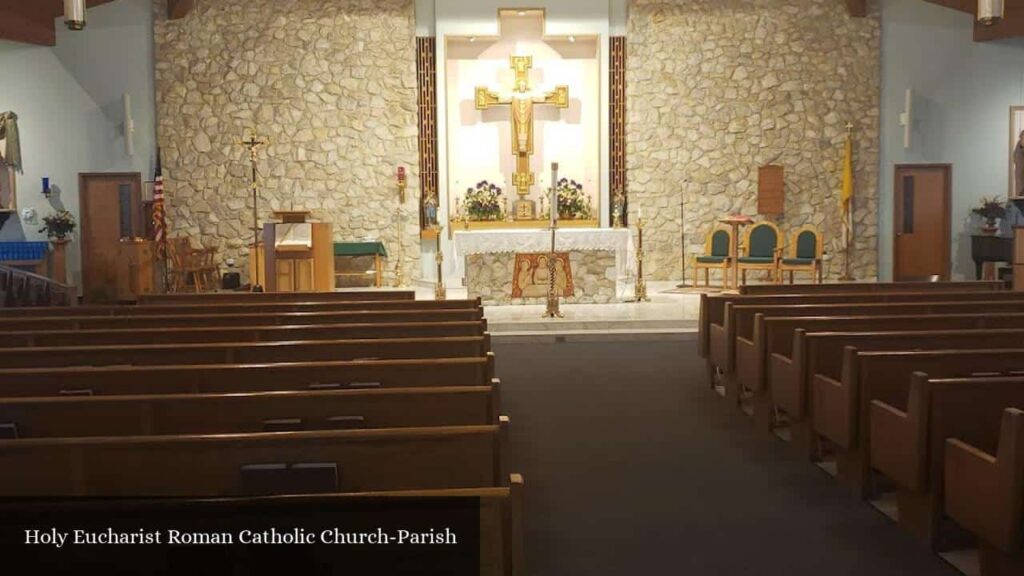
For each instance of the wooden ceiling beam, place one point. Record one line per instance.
(27, 28)
(857, 8)
(969, 6)
(179, 8)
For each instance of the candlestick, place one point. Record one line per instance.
(554, 194)
(440, 293)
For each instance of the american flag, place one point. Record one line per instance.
(159, 215)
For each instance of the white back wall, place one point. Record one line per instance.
(480, 18)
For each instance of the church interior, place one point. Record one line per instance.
(512, 287)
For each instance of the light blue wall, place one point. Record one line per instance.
(962, 96)
(68, 101)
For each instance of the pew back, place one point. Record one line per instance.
(195, 465)
(222, 297)
(185, 309)
(164, 414)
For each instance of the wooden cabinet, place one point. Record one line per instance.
(136, 269)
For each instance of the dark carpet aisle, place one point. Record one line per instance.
(632, 467)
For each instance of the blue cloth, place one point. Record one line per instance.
(22, 251)
(1014, 217)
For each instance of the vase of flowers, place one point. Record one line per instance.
(58, 226)
(991, 210)
(573, 204)
(484, 202)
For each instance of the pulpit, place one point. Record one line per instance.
(301, 258)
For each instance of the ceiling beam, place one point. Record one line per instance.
(179, 8)
(28, 28)
(857, 8)
(969, 6)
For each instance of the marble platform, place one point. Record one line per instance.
(666, 316)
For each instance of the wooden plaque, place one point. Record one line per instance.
(771, 190)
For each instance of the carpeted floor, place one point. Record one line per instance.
(632, 466)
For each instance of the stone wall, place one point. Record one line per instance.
(717, 88)
(330, 83)
(594, 275)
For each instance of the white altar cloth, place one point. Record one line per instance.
(618, 240)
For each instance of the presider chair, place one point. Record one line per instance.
(761, 251)
(806, 252)
(717, 255)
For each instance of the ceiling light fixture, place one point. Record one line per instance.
(74, 14)
(472, 39)
(521, 13)
(990, 11)
(572, 39)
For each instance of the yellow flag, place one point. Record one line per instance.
(846, 195)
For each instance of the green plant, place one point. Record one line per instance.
(991, 209)
(573, 204)
(58, 225)
(484, 202)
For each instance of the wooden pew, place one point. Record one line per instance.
(908, 438)
(245, 353)
(500, 522)
(223, 297)
(236, 308)
(233, 378)
(739, 346)
(212, 465)
(199, 335)
(792, 362)
(873, 287)
(170, 414)
(984, 491)
(840, 408)
(252, 319)
(712, 306)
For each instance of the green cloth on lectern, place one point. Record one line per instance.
(360, 249)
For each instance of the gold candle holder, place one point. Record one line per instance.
(400, 253)
(640, 292)
(440, 293)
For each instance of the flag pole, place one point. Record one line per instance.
(847, 203)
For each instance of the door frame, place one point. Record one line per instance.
(83, 207)
(947, 218)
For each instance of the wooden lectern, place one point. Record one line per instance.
(302, 258)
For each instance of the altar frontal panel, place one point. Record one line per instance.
(503, 278)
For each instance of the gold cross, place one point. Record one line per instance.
(521, 103)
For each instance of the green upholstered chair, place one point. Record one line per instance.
(761, 250)
(806, 251)
(717, 255)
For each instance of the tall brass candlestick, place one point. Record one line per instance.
(552, 309)
(439, 290)
(640, 292)
(400, 253)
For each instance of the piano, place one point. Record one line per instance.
(990, 249)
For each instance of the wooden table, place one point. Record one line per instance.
(356, 249)
(735, 222)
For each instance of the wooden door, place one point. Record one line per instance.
(110, 205)
(922, 226)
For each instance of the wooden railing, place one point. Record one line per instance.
(21, 288)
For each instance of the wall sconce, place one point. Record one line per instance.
(990, 11)
(47, 191)
(74, 14)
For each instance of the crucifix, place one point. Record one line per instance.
(522, 102)
(254, 144)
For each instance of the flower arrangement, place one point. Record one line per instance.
(573, 204)
(59, 225)
(484, 202)
(991, 209)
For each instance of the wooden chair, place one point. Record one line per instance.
(208, 269)
(188, 263)
(761, 251)
(806, 251)
(717, 255)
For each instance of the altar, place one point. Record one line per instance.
(493, 264)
